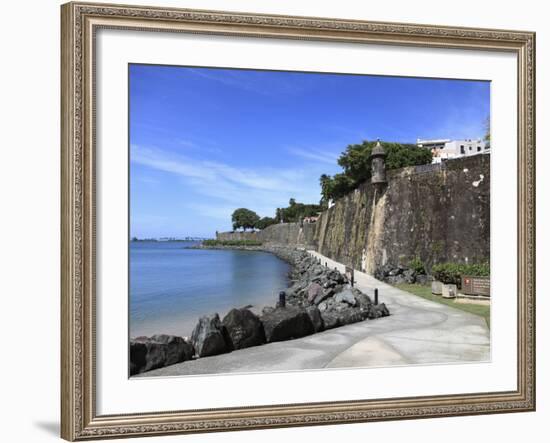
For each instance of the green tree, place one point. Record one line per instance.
(297, 211)
(264, 222)
(355, 162)
(326, 188)
(343, 184)
(244, 218)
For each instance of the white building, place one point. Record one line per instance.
(443, 149)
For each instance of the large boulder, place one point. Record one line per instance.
(338, 306)
(297, 288)
(177, 349)
(315, 316)
(314, 290)
(267, 309)
(396, 279)
(409, 275)
(346, 296)
(343, 314)
(363, 300)
(395, 271)
(286, 323)
(386, 269)
(331, 319)
(350, 315)
(317, 270)
(379, 274)
(377, 311)
(325, 294)
(329, 284)
(383, 310)
(320, 279)
(146, 355)
(336, 276)
(158, 351)
(209, 336)
(243, 328)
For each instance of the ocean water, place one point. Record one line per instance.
(172, 286)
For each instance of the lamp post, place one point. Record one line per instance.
(282, 299)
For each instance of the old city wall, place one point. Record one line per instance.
(438, 213)
(291, 234)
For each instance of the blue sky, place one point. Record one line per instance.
(205, 141)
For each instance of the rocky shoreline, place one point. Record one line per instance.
(318, 298)
(396, 275)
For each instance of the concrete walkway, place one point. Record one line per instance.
(418, 331)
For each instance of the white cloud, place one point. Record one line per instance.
(250, 81)
(315, 155)
(227, 187)
(156, 160)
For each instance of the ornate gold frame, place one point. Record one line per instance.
(79, 420)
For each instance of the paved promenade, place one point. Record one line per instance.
(418, 331)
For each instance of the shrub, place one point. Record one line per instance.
(451, 273)
(448, 273)
(478, 270)
(417, 265)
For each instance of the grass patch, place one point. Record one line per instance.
(426, 292)
(232, 243)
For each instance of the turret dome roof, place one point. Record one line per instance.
(378, 150)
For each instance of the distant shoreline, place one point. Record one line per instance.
(225, 248)
(171, 240)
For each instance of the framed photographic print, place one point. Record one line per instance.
(282, 221)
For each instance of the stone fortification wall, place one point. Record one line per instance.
(291, 234)
(437, 213)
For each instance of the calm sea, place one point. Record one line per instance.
(172, 286)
